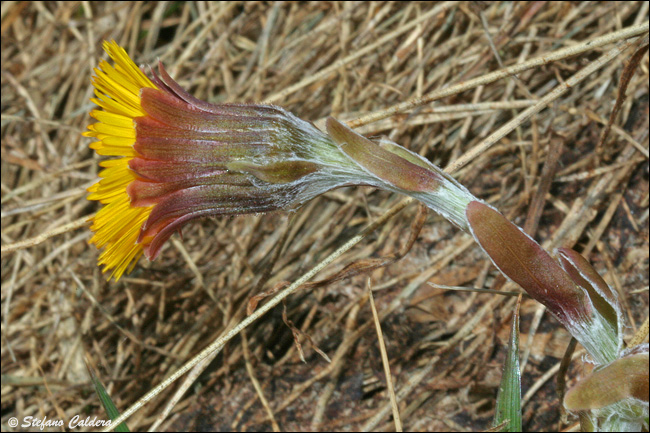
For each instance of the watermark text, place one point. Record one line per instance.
(32, 422)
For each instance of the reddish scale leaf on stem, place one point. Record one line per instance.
(526, 263)
(583, 274)
(279, 172)
(384, 164)
(624, 378)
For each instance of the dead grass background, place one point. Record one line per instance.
(57, 308)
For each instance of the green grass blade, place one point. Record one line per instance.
(509, 397)
(109, 407)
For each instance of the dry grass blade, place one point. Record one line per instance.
(472, 289)
(560, 386)
(384, 360)
(641, 335)
(256, 384)
(359, 53)
(65, 228)
(628, 72)
(540, 105)
(497, 75)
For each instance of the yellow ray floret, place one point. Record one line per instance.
(117, 224)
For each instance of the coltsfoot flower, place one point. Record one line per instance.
(181, 158)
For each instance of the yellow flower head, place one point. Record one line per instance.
(117, 224)
(181, 158)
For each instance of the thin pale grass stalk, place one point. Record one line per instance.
(541, 104)
(640, 336)
(553, 56)
(475, 290)
(560, 386)
(637, 291)
(618, 130)
(8, 295)
(488, 36)
(44, 205)
(384, 360)
(26, 243)
(395, 124)
(351, 326)
(626, 76)
(438, 9)
(115, 322)
(55, 253)
(539, 383)
(256, 384)
(417, 378)
(192, 376)
(603, 224)
(470, 108)
(24, 93)
(192, 265)
(597, 172)
(218, 344)
(581, 212)
(45, 179)
(532, 332)
(55, 403)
